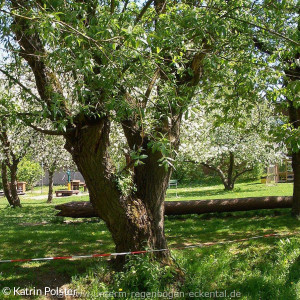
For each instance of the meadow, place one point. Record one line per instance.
(264, 268)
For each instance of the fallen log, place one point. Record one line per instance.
(84, 209)
(81, 209)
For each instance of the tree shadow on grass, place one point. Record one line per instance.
(53, 274)
(266, 282)
(294, 271)
(26, 242)
(257, 287)
(59, 239)
(193, 229)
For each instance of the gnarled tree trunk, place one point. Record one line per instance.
(135, 221)
(294, 118)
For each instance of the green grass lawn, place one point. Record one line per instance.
(241, 190)
(266, 268)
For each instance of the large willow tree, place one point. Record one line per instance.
(137, 63)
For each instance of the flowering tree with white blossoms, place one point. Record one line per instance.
(230, 149)
(50, 152)
(16, 139)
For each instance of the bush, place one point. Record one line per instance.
(29, 171)
(143, 275)
(188, 172)
(255, 174)
(140, 275)
(185, 171)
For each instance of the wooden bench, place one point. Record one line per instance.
(65, 193)
(20, 192)
(77, 184)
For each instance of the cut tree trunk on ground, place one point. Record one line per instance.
(85, 209)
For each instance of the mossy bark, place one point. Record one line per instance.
(136, 222)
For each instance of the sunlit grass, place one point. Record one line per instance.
(241, 190)
(260, 269)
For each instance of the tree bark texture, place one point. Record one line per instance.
(135, 221)
(84, 209)
(10, 189)
(294, 118)
(5, 183)
(50, 191)
(14, 184)
(296, 192)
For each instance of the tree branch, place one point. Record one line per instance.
(261, 46)
(265, 29)
(6, 146)
(45, 131)
(32, 50)
(150, 87)
(21, 85)
(112, 6)
(125, 6)
(241, 173)
(218, 170)
(143, 11)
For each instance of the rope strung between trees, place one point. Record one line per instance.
(200, 245)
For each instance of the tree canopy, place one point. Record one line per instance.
(81, 65)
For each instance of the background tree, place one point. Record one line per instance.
(15, 142)
(230, 148)
(50, 152)
(29, 171)
(284, 59)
